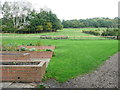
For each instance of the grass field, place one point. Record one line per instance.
(72, 33)
(66, 31)
(72, 57)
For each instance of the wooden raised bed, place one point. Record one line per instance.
(23, 71)
(40, 55)
(14, 56)
(33, 54)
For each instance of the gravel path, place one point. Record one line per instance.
(104, 77)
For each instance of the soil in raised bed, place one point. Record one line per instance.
(19, 63)
(11, 54)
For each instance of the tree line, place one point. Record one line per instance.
(91, 22)
(19, 17)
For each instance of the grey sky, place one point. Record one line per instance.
(79, 9)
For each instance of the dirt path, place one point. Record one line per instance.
(104, 77)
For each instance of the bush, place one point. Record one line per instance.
(32, 49)
(9, 47)
(7, 29)
(41, 86)
(94, 32)
(30, 44)
(107, 32)
(111, 32)
(49, 50)
(45, 37)
(3, 49)
(38, 43)
(23, 49)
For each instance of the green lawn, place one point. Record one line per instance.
(72, 57)
(72, 33)
(65, 31)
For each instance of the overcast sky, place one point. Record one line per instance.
(79, 9)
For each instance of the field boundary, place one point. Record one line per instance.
(78, 37)
(69, 37)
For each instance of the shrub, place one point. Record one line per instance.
(26, 49)
(3, 49)
(23, 49)
(39, 28)
(8, 29)
(38, 43)
(107, 32)
(9, 47)
(45, 37)
(94, 32)
(110, 32)
(48, 50)
(32, 49)
(30, 44)
(41, 86)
